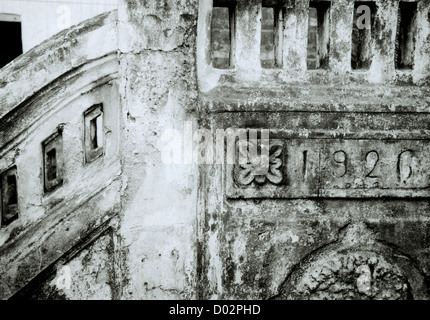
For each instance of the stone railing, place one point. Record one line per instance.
(392, 47)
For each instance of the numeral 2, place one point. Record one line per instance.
(372, 159)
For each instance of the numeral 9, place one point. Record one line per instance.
(341, 157)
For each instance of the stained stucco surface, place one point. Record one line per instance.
(343, 212)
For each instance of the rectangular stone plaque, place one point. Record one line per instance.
(328, 168)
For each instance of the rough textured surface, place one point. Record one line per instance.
(352, 223)
(280, 236)
(247, 69)
(159, 92)
(355, 267)
(69, 81)
(87, 276)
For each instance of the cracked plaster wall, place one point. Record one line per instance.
(159, 92)
(177, 235)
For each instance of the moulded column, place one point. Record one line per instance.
(248, 39)
(204, 45)
(341, 36)
(383, 42)
(295, 40)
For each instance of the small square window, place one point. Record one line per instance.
(9, 197)
(53, 161)
(94, 136)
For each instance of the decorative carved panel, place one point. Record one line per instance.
(328, 168)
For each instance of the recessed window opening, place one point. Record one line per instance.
(361, 50)
(9, 197)
(271, 35)
(222, 34)
(318, 35)
(51, 164)
(406, 33)
(96, 132)
(11, 39)
(94, 136)
(12, 196)
(53, 161)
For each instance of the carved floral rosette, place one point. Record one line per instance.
(254, 171)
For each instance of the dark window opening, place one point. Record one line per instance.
(51, 165)
(11, 41)
(318, 35)
(94, 136)
(222, 35)
(93, 133)
(12, 196)
(271, 35)
(9, 197)
(53, 161)
(405, 37)
(361, 53)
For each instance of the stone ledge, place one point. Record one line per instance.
(316, 98)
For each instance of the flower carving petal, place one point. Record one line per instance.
(246, 173)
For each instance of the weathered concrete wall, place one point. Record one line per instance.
(49, 88)
(144, 74)
(159, 92)
(252, 246)
(348, 216)
(343, 212)
(247, 67)
(88, 275)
